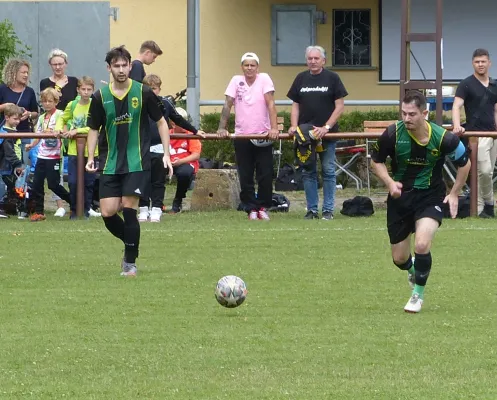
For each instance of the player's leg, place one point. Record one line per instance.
(109, 190)
(425, 231)
(133, 185)
(264, 176)
(400, 224)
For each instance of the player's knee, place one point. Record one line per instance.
(402, 262)
(422, 246)
(485, 169)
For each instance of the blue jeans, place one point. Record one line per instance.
(310, 179)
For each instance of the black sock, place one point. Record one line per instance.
(405, 266)
(115, 225)
(131, 235)
(423, 268)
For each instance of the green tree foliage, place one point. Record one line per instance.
(10, 44)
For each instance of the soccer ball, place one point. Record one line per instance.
(231, 291)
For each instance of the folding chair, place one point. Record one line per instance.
(354, 151)
(279, 152)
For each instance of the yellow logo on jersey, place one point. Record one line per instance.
(134, 102)
(435, 152)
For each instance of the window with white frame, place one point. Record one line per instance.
(351, 38)
(292, 30)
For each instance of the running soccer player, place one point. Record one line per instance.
(121, 112)
(417, 191)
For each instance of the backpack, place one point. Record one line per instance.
(359, 206)
(289, 179)
(280, 203)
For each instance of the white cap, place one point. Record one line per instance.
(250, 56)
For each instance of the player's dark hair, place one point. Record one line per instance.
(416, 97)
(481, 53)
(117, 53)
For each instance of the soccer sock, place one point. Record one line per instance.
(131, 235)
(407, 266)
(115, 225)
(423, 268)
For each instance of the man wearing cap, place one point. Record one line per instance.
(317, 96)
(252, 94)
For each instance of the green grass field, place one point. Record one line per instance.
(323, 318)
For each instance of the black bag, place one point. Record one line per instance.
(205, 163)
(359, 206)
(280, 203)
(288, 179)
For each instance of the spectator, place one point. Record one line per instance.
(158, 172)
(75, 117)
(48, 162)
(317, 96)
(478, 94)
(67, 86)
(252, 94)
(15, 90)
(8, 157)
(184, 157)
(149, 51)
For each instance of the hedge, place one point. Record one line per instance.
(222, 150)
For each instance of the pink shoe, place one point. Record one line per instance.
(253, 215)
(262, 214)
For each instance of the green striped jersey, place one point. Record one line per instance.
(414, 164)
(123, 125)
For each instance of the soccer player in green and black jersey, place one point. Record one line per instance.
(120, 112)
(417, 191)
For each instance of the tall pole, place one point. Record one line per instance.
(192, 101)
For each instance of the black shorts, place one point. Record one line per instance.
(131, 184)
(403, 212)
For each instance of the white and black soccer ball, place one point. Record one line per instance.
(231, 291)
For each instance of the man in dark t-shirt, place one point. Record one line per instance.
(149, 51)
(478, 94)
(121, 111)
(317, 96)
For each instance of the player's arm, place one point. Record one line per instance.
(225, 115)
(381, 150)
(96, 119)
(458, 154)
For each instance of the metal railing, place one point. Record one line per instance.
(81, 143)
(289, 102)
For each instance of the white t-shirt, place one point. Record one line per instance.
(48, 148)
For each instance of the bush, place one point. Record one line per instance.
(222, 150)
(10, 45)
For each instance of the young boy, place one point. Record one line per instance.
(184, 157)
(158, 173)
(9, 159)
(48, 161)
(149, 51)
(74, 117)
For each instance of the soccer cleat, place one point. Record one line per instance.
(155, 214)
(414, 304)
(60, 212)
(253, 215)
(411, 278)
(143, 214)
(262, 214)
(128, 269)
(327, 215)
(311, 215)
(37, 217)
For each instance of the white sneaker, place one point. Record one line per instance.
(93, 213)
(414, 304)
(60, 212)
(143, 215)
(253, 215)
(262, 214)
(155, 214)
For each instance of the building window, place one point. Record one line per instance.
(352, 38)
(292, 30)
